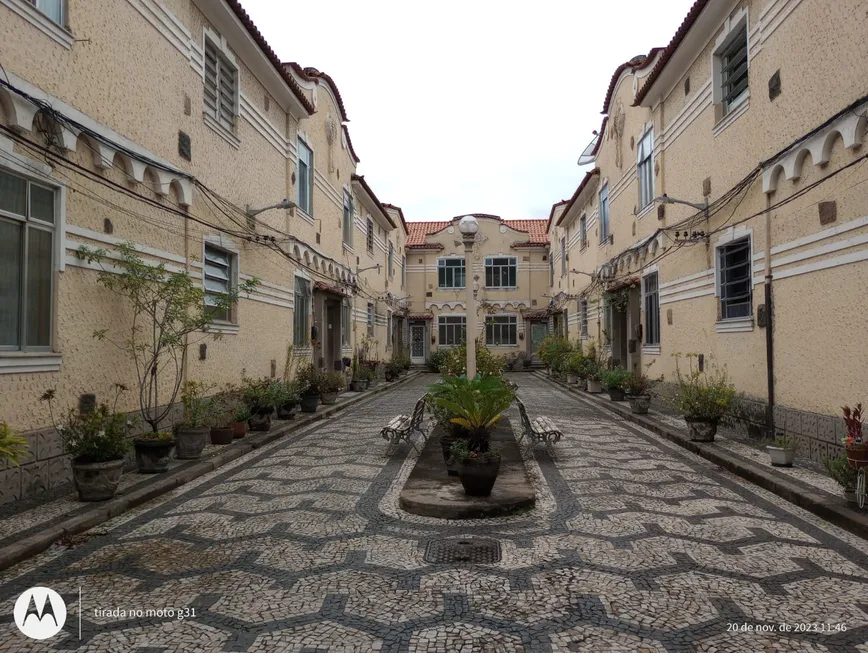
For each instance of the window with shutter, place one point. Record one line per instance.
(219, 273)
(221, 86)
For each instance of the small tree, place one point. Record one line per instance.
(167, 308)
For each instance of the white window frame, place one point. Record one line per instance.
(734, 27)
(451, 328)
(346, 322)
(604, 213)
(403, 271)
(370, 319)
(347, 222)
(305, 207)
(301, 318)
(583, 318)
(390, 266)
(645, 167)
(214, 243)
(489, 264)
(512, 321)
(29, 11)
(389, 329)
(649, 316)
(442, 263)
(583, 232)
(563, 256)
(224, 60)
(728, 239)
(369, 236)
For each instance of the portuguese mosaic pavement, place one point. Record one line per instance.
(634, 545)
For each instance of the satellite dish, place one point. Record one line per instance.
(587, 155)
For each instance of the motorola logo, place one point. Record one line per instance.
(40, 613)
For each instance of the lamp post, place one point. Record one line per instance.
(468, 226)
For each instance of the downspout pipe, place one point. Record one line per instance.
(770, 337)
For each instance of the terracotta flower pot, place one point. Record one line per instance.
(190, 443)
(152, 456)
(701, 430)
(639, 404)
(222, 436)
(97, 481)
(479, 474)
(239, 429)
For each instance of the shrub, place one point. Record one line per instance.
(640, 383)
(12, 447)
(553, 351)
(699, 395)
(309, 379)
(198, 407)
(839, 469)
(436, 359)
(332, 382)
(487, 364)
(614, 379)
(574, 363)
(95, 437)
(853, 421)
(473, 405)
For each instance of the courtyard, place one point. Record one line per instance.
(634, 545)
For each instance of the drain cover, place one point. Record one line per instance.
(476, 551)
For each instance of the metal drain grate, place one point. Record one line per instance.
(475, 551)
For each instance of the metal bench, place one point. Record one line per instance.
(542, 429)
(401, 427)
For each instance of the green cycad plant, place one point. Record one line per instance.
(12, 447)
(167, 307)
(473, 405)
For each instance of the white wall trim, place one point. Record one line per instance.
(40, 21)
(736, 325)
(26, 362)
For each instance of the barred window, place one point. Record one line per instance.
(500, 272)
(583, 317)
(733, 70)
(583, 231)
(348, 219)
(370, 319)
(650, 289)
(734, 278)
(305, 178)
(452, 328)
(346, 322)
(645, 168)
(604, 214)
(301, 313)
(450, 273)
(501, 330)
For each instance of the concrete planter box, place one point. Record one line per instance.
(594, 386)
(97, 481)
(328, 398)
(190, 443)
(781, 457)
(639, 404)
(701, 430)
(152, 456)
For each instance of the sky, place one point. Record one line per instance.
(470, 106)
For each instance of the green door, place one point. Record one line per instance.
(537, 333)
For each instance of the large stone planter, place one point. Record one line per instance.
(152, 456)
(639, 404)
(701, 430)
(287, 410)
(478, 475)
(222, 436)
(615, 394)
(97, 481)
(309, 403)
(260, 421)
(190, 443)
(594, 386)
(328, 398)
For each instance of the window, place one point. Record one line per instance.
(369, 240)
(734, 279)
(389, 329)
(54, 9)
(301, 313)
(607, 320)
(453, 329)
(403, 271)
(219, 275)
(604, 213)
(733, 69)
(583, 317)
(348, 219)
(650, 290)
(583, 231)
(389, 263)
(645, 168)
(370, 319)
(346, 321)
(501, 330)
(551, 270)
(305, 178)
(500, 272)
(221, 86)
(563, 256)
(27, 221)
(450, 273)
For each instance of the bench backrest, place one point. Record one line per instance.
(525, 420)
(418, 412)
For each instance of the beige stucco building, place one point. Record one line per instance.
(510, 276)
(164, 124)
(755, 110)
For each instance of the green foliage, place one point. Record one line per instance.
(13, 448)
(162, 436)
(436, 359)
(474, 405)
(783, 442)
(708, 395)
(309, 379)
(394, 368)
(332, 382)
(401, 359)
(839, 469)
(95, 437)
(554, 351)
(455, 361)
(461, 449)
(574, 362)
(640, 383)
(615, 379)
(198, 406)
(167, 308)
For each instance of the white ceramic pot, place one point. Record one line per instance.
(781, 457)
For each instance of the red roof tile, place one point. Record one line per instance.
(584, 182)
(636, 63)
(417, 231)
(670, 49)
(312, 74)
(361, 180)
(319, 285)
(254, 32)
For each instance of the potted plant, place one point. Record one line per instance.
(222, 416)
(259, 396)
(393, 370)
(614, 381)
(291, 394)
(330, 386)
(97, 443)
(239, 421)
(153, 451)
(371, 374)
(193, 430)
(638, 388)
(13, 447)
(309, 381)
(356, 383)
(590, 368)
(474, 405)
(573, 366)
(783, 451)
(703, 398)
(854, 444)
(839, 468)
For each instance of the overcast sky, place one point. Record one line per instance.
(472, 106)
